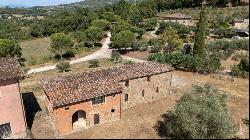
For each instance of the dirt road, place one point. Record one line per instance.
(104, 52)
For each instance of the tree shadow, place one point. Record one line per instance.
(246, 121)
(31, 107)
(160, 129)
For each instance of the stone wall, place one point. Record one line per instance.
(136, 86)
(63, 118)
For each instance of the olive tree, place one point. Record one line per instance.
(201, 113)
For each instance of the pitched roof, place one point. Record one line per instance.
(9, 68)
(77, 87)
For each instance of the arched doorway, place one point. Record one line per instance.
(79, 119)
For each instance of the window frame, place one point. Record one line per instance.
(98, 100)
(127, 83)
(157, 89)
(126, 97)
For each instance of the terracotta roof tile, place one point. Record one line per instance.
(9, 68)
(77, 87)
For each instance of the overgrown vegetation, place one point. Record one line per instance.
(93, 63)
(225, 48)
(188, 62)
(9, 48)
(242, 69)
(201, 113)
(63, 66)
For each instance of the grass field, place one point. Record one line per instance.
(138, 54)
(36, 52)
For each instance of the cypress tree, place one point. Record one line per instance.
(199, 44)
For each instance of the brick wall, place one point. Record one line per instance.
(11, 108)
(136, 86)
(63, 118)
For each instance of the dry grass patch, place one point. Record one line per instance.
(37, 54)
(138, 54)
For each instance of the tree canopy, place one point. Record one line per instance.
(124, 39)
(94, 34)
(199, 114)
(9, 48)
(171, 37)
(101, 23)
(150, 24)
(199, 43)
(60, 43)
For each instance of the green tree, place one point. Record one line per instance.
(199, 43)
(199, 114)
(9, 48)
(135, 17)
(121, 26)
(140, 45)
(111, 17)
(124, 39)
(122, 8)
(60, 43)
(150, 24)
(101, 23)
(94, 34)
(36, 30)
(170, 37)
(63, 66)
(79, 36)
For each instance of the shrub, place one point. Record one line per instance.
(188, 62)
(242, 69)
(141, 45)
(155, 49)
(150, 24)
(94, 63)
(201, 113)
(128, 62)
(181, 29)
(79, 45)
(116, 56)
(226, 48)
(69, 54)
(63, 66)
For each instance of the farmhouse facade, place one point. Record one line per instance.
(12, 116)
(87, 99)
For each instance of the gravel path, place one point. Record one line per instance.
(104, 52)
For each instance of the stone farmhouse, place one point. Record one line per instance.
(87, 99)
(12, 116)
